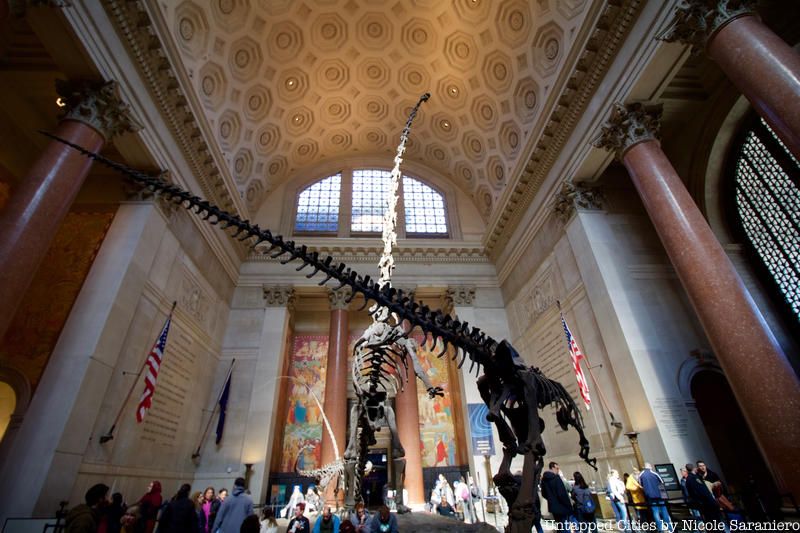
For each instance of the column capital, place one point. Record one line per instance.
(279, 296)
(460, 295)
(98, 105)
(574, 196)
(629, 124)
(696, 21)
(339, 299)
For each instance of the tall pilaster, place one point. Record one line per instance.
(761, 65)
(263, 417)
(93, 114)
(761, 377)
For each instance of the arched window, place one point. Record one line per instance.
(422, 211)
(318, 206)
(425, 213)
(766, 209)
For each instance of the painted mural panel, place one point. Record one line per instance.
(303, 425)
(436, 429)
(41, 316)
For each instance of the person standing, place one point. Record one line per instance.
(205, 507)
(83, 518)
(180, 514)
(299, 524)
(700, 497)
(556, 495)
(656, 494)
(616, 494)
(584, 501)
(214, 510)
(637, 496)
(149, 505)
(235, 508)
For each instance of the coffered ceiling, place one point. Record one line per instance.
(287, 85)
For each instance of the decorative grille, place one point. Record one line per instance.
(767, 199)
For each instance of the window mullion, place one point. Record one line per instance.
(346, 203)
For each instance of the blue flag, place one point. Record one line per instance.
(223, 407)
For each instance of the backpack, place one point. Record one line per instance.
(588, 505)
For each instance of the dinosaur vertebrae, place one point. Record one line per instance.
(434, 323)
(386, 263)
(380, 360)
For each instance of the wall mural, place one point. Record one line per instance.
(43, 312)
(437, 433)
(304, 420)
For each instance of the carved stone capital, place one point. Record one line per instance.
(461, 295)
(97, 105)
(576, 196)
(628, 125)
(696, 21)
(279, 296)
(339, 298)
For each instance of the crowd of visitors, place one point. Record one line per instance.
(637, 497)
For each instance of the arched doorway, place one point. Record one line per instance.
(8, 403)
(734, 445)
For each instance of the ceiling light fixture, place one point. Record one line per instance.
(60, 102)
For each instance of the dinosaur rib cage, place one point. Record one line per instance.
(468, 341)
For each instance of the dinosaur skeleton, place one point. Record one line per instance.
(380, 361)
(508, 386)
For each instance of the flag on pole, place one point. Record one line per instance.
(577, 356)
(223, 406)
(151, 367)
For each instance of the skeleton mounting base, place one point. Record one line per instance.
(511, 390)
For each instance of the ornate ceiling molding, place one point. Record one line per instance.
(135, 26)
(611, 28)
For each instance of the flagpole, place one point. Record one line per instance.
(602, 396)
(196, 454)
(110, 435)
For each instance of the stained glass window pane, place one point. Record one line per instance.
(425, 213)
(370, 188)
(318, 206)
(767, 201)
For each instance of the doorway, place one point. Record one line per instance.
(741, 462)
(374, 485)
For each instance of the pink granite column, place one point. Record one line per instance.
(406, 408)
(43, 197)
(335, 402)
(761, 377)
(761, 65)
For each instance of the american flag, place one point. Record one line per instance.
(577, 356)
(151, 367)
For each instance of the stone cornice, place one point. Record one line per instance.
(135, 26)
(611, 28)
(352, 251)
